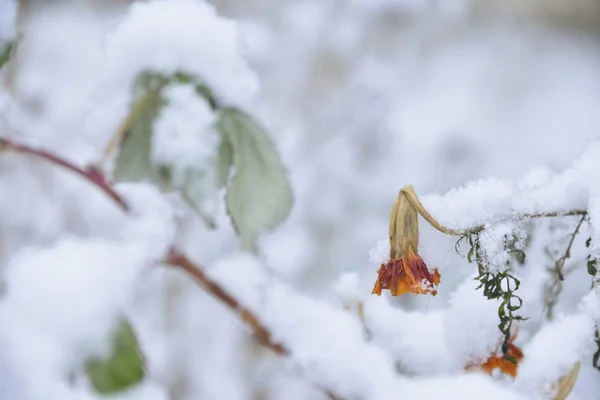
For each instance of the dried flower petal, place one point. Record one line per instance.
(406, 271)
(566, 383)
(507, 363)
(406, 275)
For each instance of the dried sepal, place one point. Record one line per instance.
(404, 227)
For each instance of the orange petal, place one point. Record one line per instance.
(505, 365)
(377, 288)
(401, 276)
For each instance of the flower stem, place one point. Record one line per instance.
(416, 203)
(261, 333)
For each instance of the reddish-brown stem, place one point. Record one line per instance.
(91, 174)
(95, 176)
(261, 333)
(175, 258)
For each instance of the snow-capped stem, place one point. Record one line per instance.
(175, 258)
(262, 334)
(412, 197)
(260, 331)
(91, 174)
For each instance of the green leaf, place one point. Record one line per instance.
(134, 162)
(259, 197)
(511, 359)
(520, 254)
(517, 306)
(5, 53)
(202, 90)
(122, 368)
(470, 255)
(592, 267)
(225, 161)
(198, 186)
(596, 357)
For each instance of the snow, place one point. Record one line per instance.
(8, 12)
(186, 35)
(471, 326)
(414, 339)
(380, 254)
(347, 288)
(590, 305)
(493, 242)
(594, 218)
(389, 5)
(330, 350)
(470, 386)
(151, 226)
(61, 304)
(63, 297)
(553, 352)
(168, 37)
(497, 199)
(184, 137)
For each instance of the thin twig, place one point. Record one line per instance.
(480, 228)
(559, 274)
(90, 174)
(262, 334)
(360, 310)
(560, 263)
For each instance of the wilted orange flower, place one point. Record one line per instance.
(405, 271)
(409, 274)
(507, 363)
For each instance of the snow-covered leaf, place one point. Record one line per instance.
(197, 190)
(225, 161)
(172, 143)
(122, 368)
(133, 163)
(259, 197)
